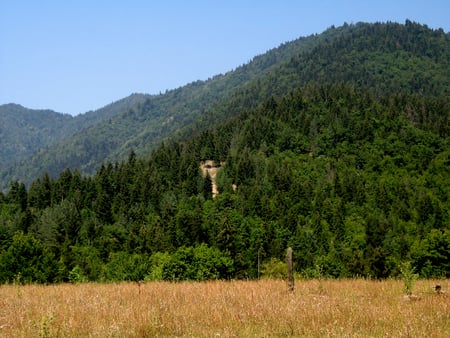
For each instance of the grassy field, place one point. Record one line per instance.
(317, 308)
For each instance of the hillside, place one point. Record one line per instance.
(383, 57)
(23, 131)
(27, 134)
(103, 114)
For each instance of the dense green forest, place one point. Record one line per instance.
(385, 57)
(357, 183)
(341, 152)
(23, 131)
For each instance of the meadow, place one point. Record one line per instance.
(264, 308)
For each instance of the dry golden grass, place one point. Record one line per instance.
(326, 308)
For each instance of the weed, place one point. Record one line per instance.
(408, 276)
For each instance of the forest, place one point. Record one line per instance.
(341, 152)
(355, 182)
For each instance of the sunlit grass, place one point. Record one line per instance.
(317, 308)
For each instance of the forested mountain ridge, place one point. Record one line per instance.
(408, 58)
(23, 131)
(29, 132)
(92, 117)
(382, 56)
(385, 57)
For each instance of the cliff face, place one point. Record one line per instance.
(210, 167)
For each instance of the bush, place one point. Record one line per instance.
(76, 275)
(274, 268)
(87, 263)
(125, 266)
(157, 262)
(431, 256)
(198, 263)
(28, 258)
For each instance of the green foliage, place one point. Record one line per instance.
(33, 142)
(24, 131)
(315, 271)
(408, 276)
(28, 258)
(198, 263)
(125, 266)
(274, 268)
(76, 275)
(45, 325)
(158, 261)
(431, 255)
(87, 264)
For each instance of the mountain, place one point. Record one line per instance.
(23, 131)
(27, 133)
(382, 56)
(340, 152)
(103, 114)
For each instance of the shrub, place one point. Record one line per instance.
(157, 262)
(126, 266)
(408, 277)
(198, 263)
(28, 258)
(274, 268)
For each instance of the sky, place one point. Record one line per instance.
(75, 56)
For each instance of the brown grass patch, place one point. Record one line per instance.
(325, 308)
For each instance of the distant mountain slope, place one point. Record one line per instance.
(385, 57)
(28, 132)
(110, 110)
(23, 131)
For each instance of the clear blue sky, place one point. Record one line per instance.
(74, 56)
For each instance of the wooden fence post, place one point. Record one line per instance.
(290, 270)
